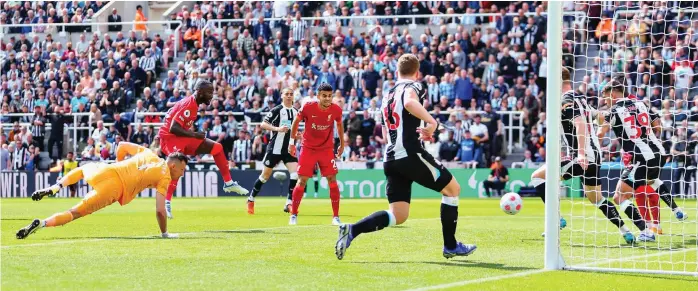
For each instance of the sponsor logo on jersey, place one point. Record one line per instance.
(319, 126)
(329, 117)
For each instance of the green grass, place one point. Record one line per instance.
(223, 248)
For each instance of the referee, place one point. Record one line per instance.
(278, 121)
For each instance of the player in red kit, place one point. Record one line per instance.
(320, 118)
(176, 136)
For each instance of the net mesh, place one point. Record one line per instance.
(655, 46)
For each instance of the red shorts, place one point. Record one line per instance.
(324, 159)
(185, 145)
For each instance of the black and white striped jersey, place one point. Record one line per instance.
(631, 121)
(403, 139)
(575, 105)
(280, 116)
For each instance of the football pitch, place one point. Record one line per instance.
(223, 248)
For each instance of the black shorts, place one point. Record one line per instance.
(590, 177)
(642, 172)
(420, 168)
(271, 160)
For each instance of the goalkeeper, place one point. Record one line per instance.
(120, 181)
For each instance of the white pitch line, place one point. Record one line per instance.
(210, 231)
(481, 280)
(533, 272)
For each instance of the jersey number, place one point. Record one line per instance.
(643, 119)
(388, 112)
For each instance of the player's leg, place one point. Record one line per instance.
(538, 183)
(168, 198)
(270, 161)
(208, 146)
(592, 190)
(297, 196)
(329, 170)
(488, 188)
(293, 170)
(263, 178)
(623, 197)
(666, 196)
(68, 179)
(398, 189)
(95, 200)
(306, 165)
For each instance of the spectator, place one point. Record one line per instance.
(540, 156)
(140, 20)
(122, 125)
(5, 162)
(448, 150)
(367, 125)
(498, 178)
(39, 126)
(19, 155)
(353, 125)
(113, 18)
(242, 148)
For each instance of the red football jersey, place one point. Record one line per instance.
(631, 96)
(183, 112)
(319, 125)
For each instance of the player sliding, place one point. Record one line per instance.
(320, 118)
(120, 181)
(278, 121)
(633, 122)
(406, 161)
(176, 136)
(579, 140)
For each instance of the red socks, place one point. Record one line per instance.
(221, 162)
(296, 199)
(334, 196)
(653, 202)
(641, 200)
(171, 189)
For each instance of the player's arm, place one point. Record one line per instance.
(604, 128)
(128, 149)
(340, 131)
(580, 124)
(269, 120)
(294, 134)
(161, 215)
(415, 108)
(178, 130)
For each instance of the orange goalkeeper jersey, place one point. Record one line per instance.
(141, 171)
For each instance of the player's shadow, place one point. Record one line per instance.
(469, 264)
(241, 231)
(135, 238)
(325, 215)
(18, 219)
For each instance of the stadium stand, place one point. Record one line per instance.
(483, 63)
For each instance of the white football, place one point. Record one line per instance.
(511, 203)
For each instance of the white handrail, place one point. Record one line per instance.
(510, 128)
(90, 23)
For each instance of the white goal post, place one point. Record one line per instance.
(590, 242)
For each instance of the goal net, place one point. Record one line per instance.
(654, 45)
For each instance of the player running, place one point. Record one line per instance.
(406, 161)
(633, 122)
(176, 136)
(320, 118)
(278, 121)
(579, 140)
(117, 182)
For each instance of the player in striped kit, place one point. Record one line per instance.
(581, 152)
(633, 123)
(278, 121)
(406, 161)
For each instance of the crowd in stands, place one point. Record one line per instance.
(468, 64)
(49, 13)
